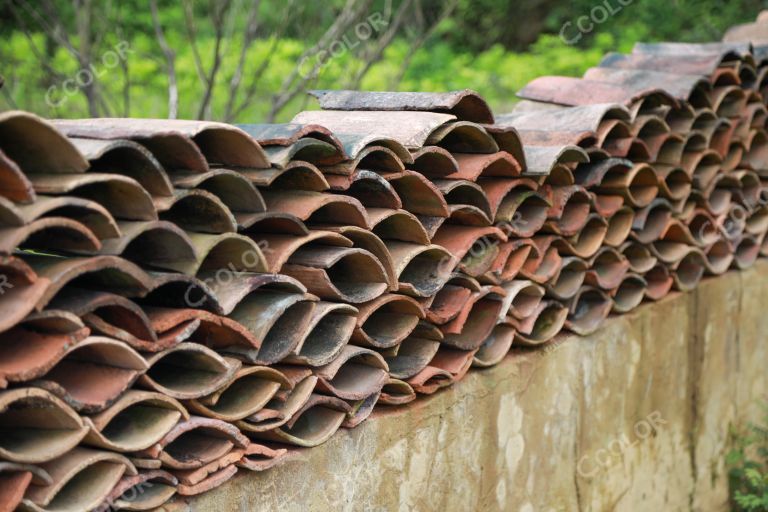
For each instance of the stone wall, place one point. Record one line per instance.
(635, 417)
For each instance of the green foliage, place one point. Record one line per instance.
(748, 475)
(469, 49)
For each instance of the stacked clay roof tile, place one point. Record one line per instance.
(182, 301)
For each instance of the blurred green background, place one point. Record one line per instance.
(252, 61)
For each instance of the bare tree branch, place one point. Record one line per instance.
(296, 82)
(189, 18)
(249, 34)
(370, 58)
(422, 38)
(220, 9)
(276, 39)
(170, 62)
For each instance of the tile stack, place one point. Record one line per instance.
(184, 300)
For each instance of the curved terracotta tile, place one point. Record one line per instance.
(704, 64)
(680, 119)
(756, 154)
(508, 139)
(746, 252)
(237, 253)
(512, 256)
(317, 207)
(587, 242)
(421, 270)
(328, 329)
(411, 129)
(586, 118)
(418, 195)
(81, 480)
(467, 194)
(93, 373)
(308, 149)
(284, 134)
(674, 183)
(187, 371)
(757, 222)
(516, 205)
(402, 225)
(542, 325)
(211, 482)
(88, 213)
(568, 279)
(296, 175)
(430, 380)
(463, 137)
(386, 321)
(541, 160)
(369, 241)
(285, 404)
(122, 196)
(475, 247)
(543, 263)
(558, 138)
(465, 104)
(312, 425)
(588, 310)
(220, 143)
(361, 410)
(415, 352)
(159, 244)
(57, 234)
(651, 221)
(495, 347)
(37, 426)
(27, 353)
(368, 187)
(337, 273)
(15, 184)
(278, 248)
(433, 161)
(378, 154)
(143, 491)
(629, 293)
(476, 319)
(472, 166)
(117, 274)
(127, 158)
(14, 481)
(619, 226)
(354, 375)
(448, 302)
(691, 88)
(196, 210)
(136, 421)
(569, 210)
(396, 392)
(195, 442)
(659, 281)
(248, 392)
(639, 256)
(719, 257)
(688, 271)
(607, 269)
(234, 189)
(578, 91)
(276, 322)
(23, 291)
(258, 457)
(454, 361)
(36, 146)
